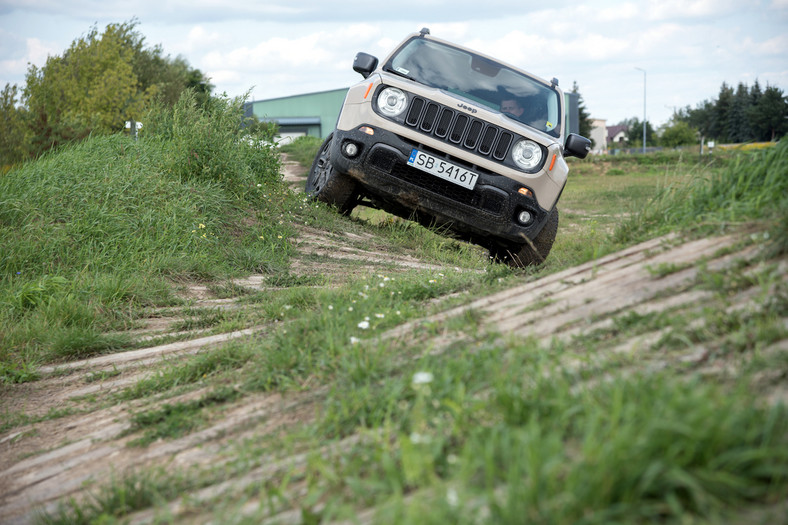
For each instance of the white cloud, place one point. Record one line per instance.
(688, 9)
(273, 53)
(454, 32)
(283, 47)
(522, 49)
(619, 12)
(199, 38)
(36, 52)
(773, 46)
(662, 39)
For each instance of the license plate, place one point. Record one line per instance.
(440, 168)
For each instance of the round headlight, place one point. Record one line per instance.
(527, 154)
(392, 101)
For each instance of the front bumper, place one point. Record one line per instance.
(486, 215)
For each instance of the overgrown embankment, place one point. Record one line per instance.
(96, 230)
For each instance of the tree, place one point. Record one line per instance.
(14, 135)
(585, 124)
(635, 133)
(770, 115)
(720, 122)
(701, 118)
(171, 76)
(678, 133)
(100, 82)
(742, 115)
(755, 94)
(91, 88)
(738, 121)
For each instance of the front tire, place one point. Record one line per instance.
(326, 184)
(530, 253)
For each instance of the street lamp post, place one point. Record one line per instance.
(644, 107)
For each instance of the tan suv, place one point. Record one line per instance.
(454, 139)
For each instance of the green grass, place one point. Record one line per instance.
(177, 419)
(121, 497)
(303, 150)
(751, 186)
(498, 430)
(97, 231)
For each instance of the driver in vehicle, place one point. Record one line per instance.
(513, 107)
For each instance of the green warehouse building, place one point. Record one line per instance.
(311, 114)
(316, 114)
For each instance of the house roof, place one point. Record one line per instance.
(612, 131)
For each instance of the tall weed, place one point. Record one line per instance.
(207, 143)
(752, 186)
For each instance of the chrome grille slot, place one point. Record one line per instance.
(428, 122)
(455, 127)
(488, 139)
(459, 128)
(504, 142)
(414, 113)
(444, 121)
(473, 134)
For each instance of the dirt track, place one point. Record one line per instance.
(42, 463)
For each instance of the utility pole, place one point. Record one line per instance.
(644, 107)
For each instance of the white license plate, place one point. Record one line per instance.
(440, 168)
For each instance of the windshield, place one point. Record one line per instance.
(480, 80)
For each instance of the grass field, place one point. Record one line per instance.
(490, 429)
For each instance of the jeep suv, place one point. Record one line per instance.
(454, 139)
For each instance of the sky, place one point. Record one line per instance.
(275, 48)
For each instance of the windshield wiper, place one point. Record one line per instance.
(400, 74)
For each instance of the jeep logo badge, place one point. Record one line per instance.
(467, 108)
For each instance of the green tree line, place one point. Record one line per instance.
(101, 81)
(743, 114)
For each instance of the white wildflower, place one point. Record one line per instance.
(451, 497)
(418, 439)
(422, 378)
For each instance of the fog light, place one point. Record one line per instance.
(525, 217)
(351, 150)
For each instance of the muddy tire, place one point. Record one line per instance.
(326, 184)
(533, 253)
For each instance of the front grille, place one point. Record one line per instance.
(489, 201)
(459, 129)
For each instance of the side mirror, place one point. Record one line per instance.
(577, 146)
(365, 64)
